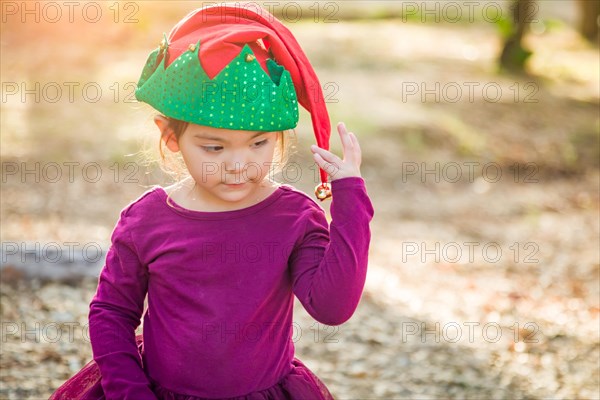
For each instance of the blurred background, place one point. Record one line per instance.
(479, 125)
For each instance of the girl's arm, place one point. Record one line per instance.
(115, 313)
(329, 265)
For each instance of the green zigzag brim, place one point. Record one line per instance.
(242, 96)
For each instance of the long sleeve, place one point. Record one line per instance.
(329, 266)
(115, 313)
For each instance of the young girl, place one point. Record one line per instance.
(222, 253)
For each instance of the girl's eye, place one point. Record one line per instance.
(211, 149)
(214, 149)
(262, 142)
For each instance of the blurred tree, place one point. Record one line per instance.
(588, 19)
(514, 55)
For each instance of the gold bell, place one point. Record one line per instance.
(192, 47)
(250, 57)
(323, 191)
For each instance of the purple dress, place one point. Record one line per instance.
(220, 289)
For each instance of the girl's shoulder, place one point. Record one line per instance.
(298, 199)
(144, 203)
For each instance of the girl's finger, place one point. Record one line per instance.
(357, 158)
(325, 154)
(327, 166)
(346, 141)
(356, 144)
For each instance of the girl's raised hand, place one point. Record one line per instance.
(335, 167)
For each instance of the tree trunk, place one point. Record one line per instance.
(514, 55)
(589, 12)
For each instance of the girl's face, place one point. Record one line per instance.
(217, 158)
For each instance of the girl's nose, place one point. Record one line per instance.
(233, 166)
(236, 162)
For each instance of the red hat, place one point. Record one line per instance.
(224, 30)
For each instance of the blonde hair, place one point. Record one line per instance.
(172, 164)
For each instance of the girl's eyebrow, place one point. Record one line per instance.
(218, 139)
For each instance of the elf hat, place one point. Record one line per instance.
(228, 66)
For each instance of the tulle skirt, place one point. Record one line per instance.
(300, 384)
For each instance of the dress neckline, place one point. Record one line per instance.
(195, 214)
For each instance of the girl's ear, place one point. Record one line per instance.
(167, 134)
